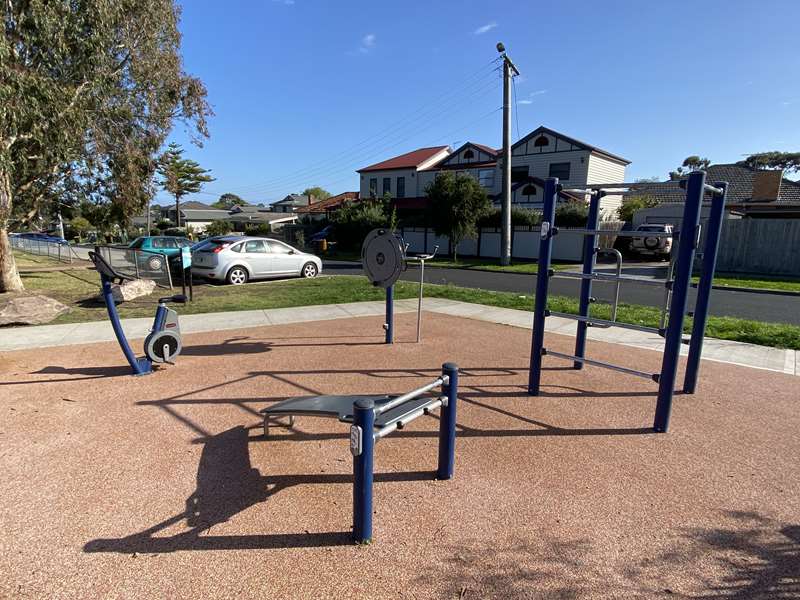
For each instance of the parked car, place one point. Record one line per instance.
(237, 260)
(653, 244)
(156, 249)
(42, 237)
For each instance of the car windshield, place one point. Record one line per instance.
(137, 243)
(653, 228)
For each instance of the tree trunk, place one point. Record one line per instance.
(9, 277)
(177, 210)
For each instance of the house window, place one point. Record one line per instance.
(469, 154)
(486, 178)
(541, 141)
(387, 185)
(519, 174)
(401, 187)
(560, 170)
(373, 186)
(529, 191)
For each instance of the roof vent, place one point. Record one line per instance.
(767, 185)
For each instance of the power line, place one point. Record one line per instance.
(427, 110)
(372, 147)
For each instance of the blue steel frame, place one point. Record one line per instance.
(542, 285)
(687, 246)
(589, 257)
(390, 314)
(140, 366)
(363, 462)
(710, 251)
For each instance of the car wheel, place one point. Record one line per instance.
(154, 263)
(309, 270)
(237, 276)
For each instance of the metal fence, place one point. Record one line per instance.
(139, 264)
(61, 252)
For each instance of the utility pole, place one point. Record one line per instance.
(509, 71)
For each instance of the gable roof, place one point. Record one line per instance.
(583, 145)
(409, 160)
(740, 187)
(442, 164)
(211, 214)
(324, 206)
(293, 200)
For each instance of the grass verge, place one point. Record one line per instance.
(79, 289)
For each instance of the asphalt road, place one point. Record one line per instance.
(745, 305)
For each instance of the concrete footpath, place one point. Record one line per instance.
(739, 353)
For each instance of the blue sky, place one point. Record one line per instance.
(307, 91)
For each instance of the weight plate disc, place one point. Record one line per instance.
(155, 344)
(382, 257)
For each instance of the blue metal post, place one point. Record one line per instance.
(390, 315)
(447, 424)
(140, 366)
(589, 256)
(687, 243)
(364, 420)
(542, 284)
(710, 250)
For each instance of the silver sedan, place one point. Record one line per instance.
(239, 259)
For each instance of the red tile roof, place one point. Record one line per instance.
(409, 160)
(324, 206)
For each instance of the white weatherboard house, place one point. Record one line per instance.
(540, 154)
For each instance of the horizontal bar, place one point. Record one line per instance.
(591, 320)
(611, 278)
(405, 420)
(597, 363)
(713, 189)
(642, 234)
(443, 380)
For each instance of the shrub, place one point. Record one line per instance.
(163, 224)
(630, 205)
(519, 216)
(260, 229)
(572, 214)
(218, 228)
(356, 219)
(176, 231)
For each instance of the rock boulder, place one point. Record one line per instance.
(131, 288)
(35, 309)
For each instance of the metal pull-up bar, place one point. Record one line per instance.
(677, 285)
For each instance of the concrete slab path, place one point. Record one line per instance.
(739, 353)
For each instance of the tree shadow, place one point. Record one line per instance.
(227, 484)
(759, 558)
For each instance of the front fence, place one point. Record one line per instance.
(61, 252)
(138, 264)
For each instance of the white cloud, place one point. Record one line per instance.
(786, 102)
(367, 44)
(538, 93)
(485, 28)
(286, 2)
(524, 101)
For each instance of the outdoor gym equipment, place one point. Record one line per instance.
(373, 418)
(163, 343)
(384, 258)
(676, 286)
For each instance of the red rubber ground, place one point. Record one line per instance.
(162, 486)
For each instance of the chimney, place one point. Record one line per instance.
(767, 185)
(310, 199)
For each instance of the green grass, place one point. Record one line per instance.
(761, 283)
(78, 289)
(482, 264)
